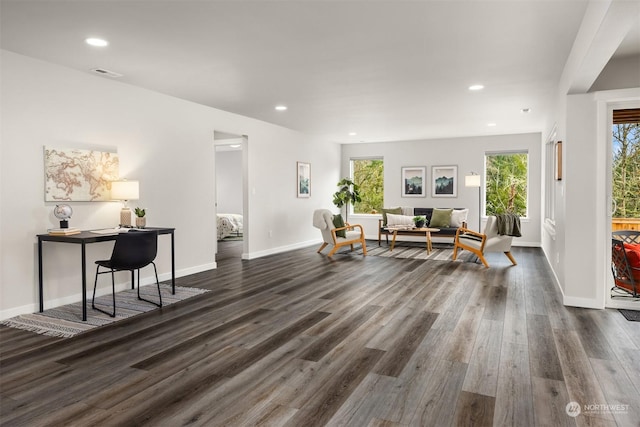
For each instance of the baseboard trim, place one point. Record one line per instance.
(582, 302)
(102, 290)
(553, 271)
(280, 249)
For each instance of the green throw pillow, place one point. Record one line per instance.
(441, 218)
(394, 211)
(339, 222)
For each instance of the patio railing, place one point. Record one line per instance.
(625, 224)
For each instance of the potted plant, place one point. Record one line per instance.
(349, 192)
(141, 220)
(419, 221)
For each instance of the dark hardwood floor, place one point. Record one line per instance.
(297, 339)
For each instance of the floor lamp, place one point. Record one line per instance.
(473, 180)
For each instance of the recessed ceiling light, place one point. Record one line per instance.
(281, 107)
(96, 42)
(491, 124)
(476, 87)
(525, 110)
(352, 133)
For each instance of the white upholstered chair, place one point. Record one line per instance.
(323, 220)
(481, 243)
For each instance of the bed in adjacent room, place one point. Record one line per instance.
(229, 225)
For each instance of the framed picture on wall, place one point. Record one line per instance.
(444, 181)
(413, 181)
(304, 179)
(76, 175)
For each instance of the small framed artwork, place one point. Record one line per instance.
(413, 181)
(304, 179)
(559, 161)
(444, 181)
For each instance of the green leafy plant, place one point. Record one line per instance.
(349, 192)
(506, 177)
(369, 175)
(140, 213)
(419, 218)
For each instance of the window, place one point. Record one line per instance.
(506, 183)
(626, 166)
(368, 174)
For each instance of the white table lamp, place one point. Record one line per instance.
(474, 180)
(125, 191)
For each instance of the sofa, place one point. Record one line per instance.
(459, 220)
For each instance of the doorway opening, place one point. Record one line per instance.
(624, 183)
(231, 225)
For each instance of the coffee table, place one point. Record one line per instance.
(418, 231)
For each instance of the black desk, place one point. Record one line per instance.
(83, 239)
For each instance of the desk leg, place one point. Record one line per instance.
(84, 282)
(173, 265)
(393, 242)
(40, 285)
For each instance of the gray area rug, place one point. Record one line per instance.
(415, 250)
(66, 321)
(630, 315)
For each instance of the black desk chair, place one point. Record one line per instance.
(132, 251)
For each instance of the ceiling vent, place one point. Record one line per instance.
(104, 72)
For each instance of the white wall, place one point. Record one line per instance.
(576, 247)
(229, 181)
(583, 222)
(584, 248)
(468, 154)
(164, 142)
(620, 73)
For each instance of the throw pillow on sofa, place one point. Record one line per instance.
(441, 218)
(385, 212)
(632, 251)
(458, 216)
(393, 219)
(339, 222)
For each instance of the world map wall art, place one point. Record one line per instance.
(76, 175)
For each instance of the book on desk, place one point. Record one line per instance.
(63, 231)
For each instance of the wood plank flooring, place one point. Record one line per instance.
(298, 339)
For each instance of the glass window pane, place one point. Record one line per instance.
(368, 174)
(506, 183)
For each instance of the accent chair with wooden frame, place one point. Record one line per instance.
(482, 243)
(354, 234)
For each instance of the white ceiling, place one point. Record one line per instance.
(388, 70)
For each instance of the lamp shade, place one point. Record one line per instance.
(472, 181)
(125, 190)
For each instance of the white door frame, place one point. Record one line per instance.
(607, 102)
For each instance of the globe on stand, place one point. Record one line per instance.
(63, 213)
